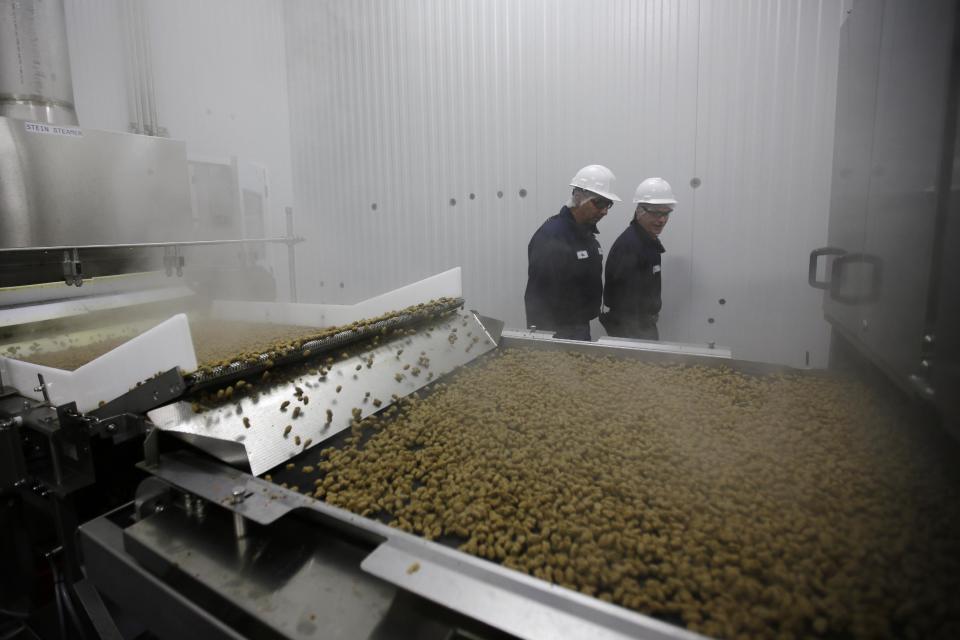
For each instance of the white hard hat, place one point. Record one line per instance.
(654, 191)
(597, 179)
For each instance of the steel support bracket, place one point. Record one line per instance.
(173, 260)
(72, 268)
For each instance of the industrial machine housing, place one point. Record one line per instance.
(154, 513)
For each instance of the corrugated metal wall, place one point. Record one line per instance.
(428, 134)
(765, 116)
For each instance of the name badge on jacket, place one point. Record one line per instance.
(656, 268)
(582, 255)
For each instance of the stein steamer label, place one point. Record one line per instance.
(53, 129)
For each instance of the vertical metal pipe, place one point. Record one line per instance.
(146, 71)
(291, 256)
(133, 100)
(55, 459)
(139, 60)
(35, 80)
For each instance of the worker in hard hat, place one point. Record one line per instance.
(565, 261)
(632, 290)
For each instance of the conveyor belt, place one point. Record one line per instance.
(772, 484)
(223, 375)
(306, 396)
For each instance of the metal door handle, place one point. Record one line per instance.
(838, 276)
(814, 257)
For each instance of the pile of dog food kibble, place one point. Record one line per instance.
(730, 504)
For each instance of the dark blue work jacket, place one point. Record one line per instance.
(564, 276)
(633, 277)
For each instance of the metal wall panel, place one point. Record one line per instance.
(893, 158)
(400, 109)
(905, 165)
(858, 73)
(765, 121)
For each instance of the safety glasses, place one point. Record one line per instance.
(657, 212)
(602, 204)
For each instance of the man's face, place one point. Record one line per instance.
(653, 217)
(596, 209)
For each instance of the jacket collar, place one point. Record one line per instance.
(567, 215)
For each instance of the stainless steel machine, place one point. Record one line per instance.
(205, 548)
(167, 522)
(132, 486)
(252, 559)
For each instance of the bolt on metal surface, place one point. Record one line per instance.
(239, 524)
